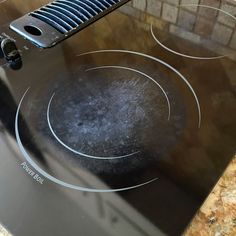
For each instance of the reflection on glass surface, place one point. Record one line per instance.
(143, 99)
(4, 231)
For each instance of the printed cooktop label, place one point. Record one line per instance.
(31, 173)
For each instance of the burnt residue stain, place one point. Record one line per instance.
(105, 117)
(110, 113)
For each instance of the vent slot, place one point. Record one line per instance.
(77, 18)
(88, 8)
(61, 14)
(93, 6)
(66, 15)
(49, 21)
(86, 15)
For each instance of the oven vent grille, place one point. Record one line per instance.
(68, 15)
(60, 19)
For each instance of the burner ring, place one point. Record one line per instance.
(101, 157)
(73, 150)
(186, 55)
(52, 178)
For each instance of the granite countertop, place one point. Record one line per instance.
(217, 216)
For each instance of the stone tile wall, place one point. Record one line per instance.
(214, 27)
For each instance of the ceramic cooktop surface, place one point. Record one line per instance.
(122, 129)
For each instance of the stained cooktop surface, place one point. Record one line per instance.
(122, 129)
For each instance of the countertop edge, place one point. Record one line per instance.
(217, 216)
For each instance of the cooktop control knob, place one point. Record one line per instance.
(1, 52)
(11, 53)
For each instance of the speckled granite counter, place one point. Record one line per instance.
(217, 217)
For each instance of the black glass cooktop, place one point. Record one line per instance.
(122, 129)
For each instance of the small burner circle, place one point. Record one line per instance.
(179, 53)
(109, 116)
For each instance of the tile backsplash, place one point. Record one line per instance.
(214, 27)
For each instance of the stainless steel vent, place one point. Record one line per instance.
(60, 19)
